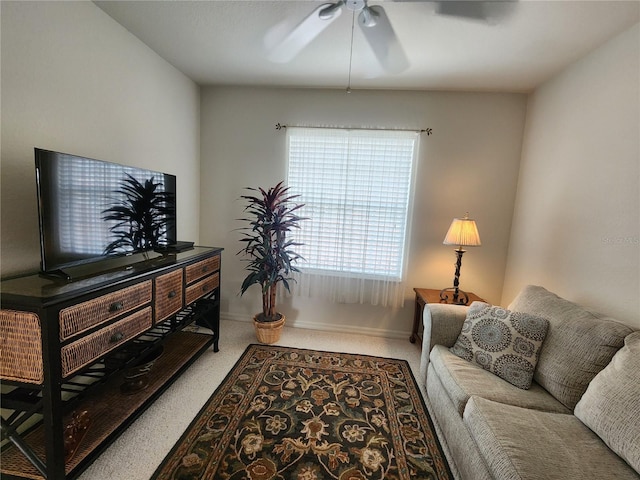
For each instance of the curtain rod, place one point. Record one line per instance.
(428, 131)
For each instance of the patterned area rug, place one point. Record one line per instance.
(285, 413)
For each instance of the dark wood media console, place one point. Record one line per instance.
(65, 348)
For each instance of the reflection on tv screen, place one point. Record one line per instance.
(91, 209)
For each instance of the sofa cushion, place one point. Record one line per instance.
(535, 445)
(578, 345)
(462, 379)
(611, 405)
(461, 451)
(504, 342)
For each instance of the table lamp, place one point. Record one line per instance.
(463, 232)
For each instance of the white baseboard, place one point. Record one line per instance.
(328, 327)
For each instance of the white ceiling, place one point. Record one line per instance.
(222, 42)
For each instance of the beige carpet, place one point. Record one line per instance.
(138, 452)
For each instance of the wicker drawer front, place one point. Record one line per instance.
(202, 268)
(20, 347)
(81, 317)
(201, 288)
(84, 351)
(168, 294)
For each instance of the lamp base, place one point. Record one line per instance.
(458, 297)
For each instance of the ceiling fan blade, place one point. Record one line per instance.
(467, 9)
(489, 11)
(377, 29)
(284, 46)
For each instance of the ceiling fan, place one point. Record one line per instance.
(376, 27)
(372, 20)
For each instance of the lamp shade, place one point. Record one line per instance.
(463, 232)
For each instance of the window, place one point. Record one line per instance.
(357, 189)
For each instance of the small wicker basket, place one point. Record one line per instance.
(268, 332)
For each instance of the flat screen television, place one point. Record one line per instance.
(91, 210)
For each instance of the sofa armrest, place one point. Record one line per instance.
(442, 325)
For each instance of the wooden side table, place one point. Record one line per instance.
(428, 295)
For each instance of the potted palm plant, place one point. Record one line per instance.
(270, 258)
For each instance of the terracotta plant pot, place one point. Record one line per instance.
(268, 332)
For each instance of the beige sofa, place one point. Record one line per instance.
(579, 420)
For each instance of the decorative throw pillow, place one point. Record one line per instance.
(502, 341)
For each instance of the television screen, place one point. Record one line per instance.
(90, 210)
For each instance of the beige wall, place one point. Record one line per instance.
(470, 163)
(75, 81)
(576, 227)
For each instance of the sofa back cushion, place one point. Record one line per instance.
(579, 343)
(611, 405)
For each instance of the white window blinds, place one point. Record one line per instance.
(357, 189)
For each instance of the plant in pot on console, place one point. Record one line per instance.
(270, 257)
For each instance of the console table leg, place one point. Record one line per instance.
(216, 330)
(210, 318)
(9, 433)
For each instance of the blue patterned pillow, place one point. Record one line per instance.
(502, 341)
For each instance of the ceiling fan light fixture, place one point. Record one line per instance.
(355, 5)
(368, 17)
(329, 11)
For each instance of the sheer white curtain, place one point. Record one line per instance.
(357, 187)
